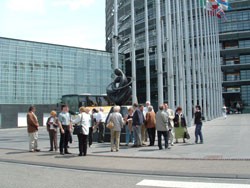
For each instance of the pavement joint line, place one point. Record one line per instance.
(158, 158)
(131, 172)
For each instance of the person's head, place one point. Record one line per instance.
(94, 111)
(64, 108)
(117, 108)
(87, 110)
(141, 107)
(135, 105)
(32, 109)
(150, 108)
(198, 108)
(166, 106)
(148, 103)
(82, 109)
(161, 107)
(101, 109)
(53, 113)
(179, 110)
(130, 110)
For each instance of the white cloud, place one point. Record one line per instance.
(73, 4)
(26, 5)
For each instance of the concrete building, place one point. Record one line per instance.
(235, 55)
(171, 51)
(34, 73)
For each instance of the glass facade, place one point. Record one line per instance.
(191, 62)
(40, 73)
(235, 55)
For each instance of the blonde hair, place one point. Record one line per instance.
(82, 109)
(53, 113)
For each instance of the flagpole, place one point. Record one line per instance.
(116, 58)
(134, 95)
(198, 48)
(168, 17)
(188, 64)
(159, 53)
(147, 63)
(193, 54)
(203, 61)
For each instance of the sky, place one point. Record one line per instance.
(79, 23)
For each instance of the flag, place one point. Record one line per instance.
(224, 4)
(214, 4)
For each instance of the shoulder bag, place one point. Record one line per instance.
(78, 128)
(110, 125)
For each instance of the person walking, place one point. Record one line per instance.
(83, 119)
(224, 111)
(137, 121)
(198, 124)
(162, 126)
(128, 126)
(171, 131)
(150, 124)
(92, 126)
(180, 126)
(100, 119)
(32, 128)
(115, 132)
(64, 118)
(52, 125)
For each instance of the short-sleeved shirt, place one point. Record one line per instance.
(64, 118)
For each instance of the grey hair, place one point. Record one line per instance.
(150, 108)
(117, 108)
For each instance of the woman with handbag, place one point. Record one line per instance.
(115, 130)
(83, 121)
(52, 125)
(180, 126)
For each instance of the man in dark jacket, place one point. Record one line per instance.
(138, 120)
(32, 125)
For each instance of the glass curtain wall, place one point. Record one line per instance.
(40, 73)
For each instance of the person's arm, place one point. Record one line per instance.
(77, 119)
(60, 125)
(164, 117)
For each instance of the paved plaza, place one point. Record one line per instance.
(224, 154)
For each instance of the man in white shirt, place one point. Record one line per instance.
(100, 119)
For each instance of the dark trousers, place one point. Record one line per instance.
(198, 132)
(64, 139)
(165, 136)
(53, 139)
(90, 136)
(151, 135)
(101, 128)
(82, 140)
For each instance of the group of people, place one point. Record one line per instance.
(141, 123)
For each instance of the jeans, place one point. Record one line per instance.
(198, 132)
(129, 135)
(151, 135)
(165, 136)
(137, 135)
(82, 139)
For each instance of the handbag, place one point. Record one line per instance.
(186, 134)
(110, 125)
(78, 129)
